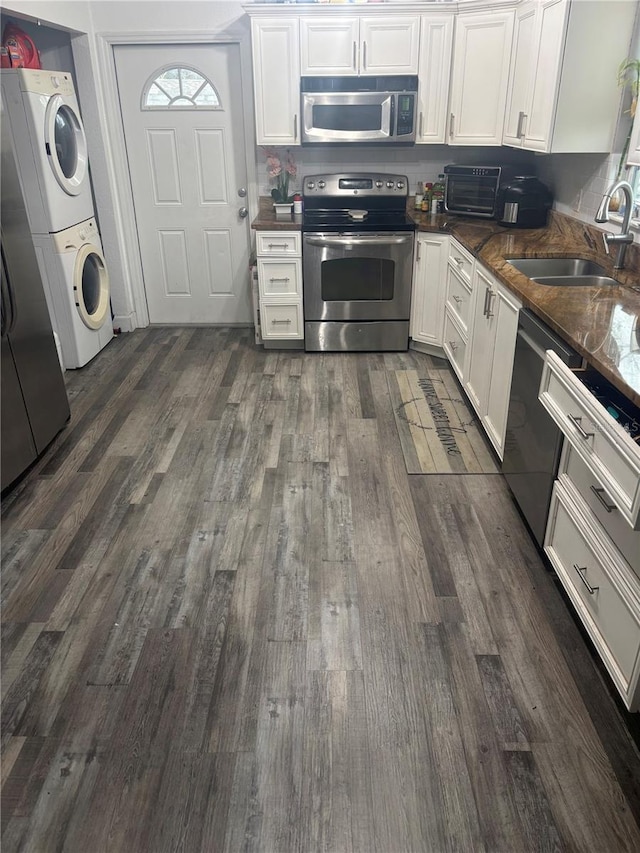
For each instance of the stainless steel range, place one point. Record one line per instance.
(357, 255)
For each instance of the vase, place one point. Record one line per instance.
(282, 210)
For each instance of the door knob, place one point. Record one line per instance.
(242, 192)
(243, 213)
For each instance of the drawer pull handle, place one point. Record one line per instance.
(453, 345)
(278, 245)
(458, 260)
(581, 570)
(599, 492)
(273, 322)
(279, 279)
(458, 299)
(576, 421)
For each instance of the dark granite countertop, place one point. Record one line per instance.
(601, 323)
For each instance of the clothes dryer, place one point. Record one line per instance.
(51, 147)
(77, 289)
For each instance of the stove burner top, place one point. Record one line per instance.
(357, 201)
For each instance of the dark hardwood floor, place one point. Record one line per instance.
(232, 621)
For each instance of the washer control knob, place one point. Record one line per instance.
(55, 82)
(379, 184)
(82, 234)
(390, 184)
(321, 185)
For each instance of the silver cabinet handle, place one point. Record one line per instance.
(582, 570)
(419, 246)
(486, 300)
(600, 493)
(364, 56)
(458, 260)
(355, 47)
(451, 120)
(279, 279)
(295, 127)
(420, 125)
(457, 299)
(278, 245)
(576, 421)
(490, 303)
(274, 321)
(453, 345)
(520, 130)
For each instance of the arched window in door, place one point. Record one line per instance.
(172, 88)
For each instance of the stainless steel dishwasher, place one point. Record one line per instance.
(533, 442)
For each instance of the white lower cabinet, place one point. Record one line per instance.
(601, 586)
(492, 343)
(280, 286)
(591, 537)
(428, 295)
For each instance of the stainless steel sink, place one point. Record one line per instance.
(563, 272)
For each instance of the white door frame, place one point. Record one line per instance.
(126, 223)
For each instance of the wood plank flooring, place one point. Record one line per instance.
(233, 622)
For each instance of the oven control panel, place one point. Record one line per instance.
(354, 185)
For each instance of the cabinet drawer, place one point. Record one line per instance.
(454, 345)
(279, 277)
(601, 504)
(458, 298)
(461, 261)
(605, 448)
(604, 592)
(278, 243)
(282, 320)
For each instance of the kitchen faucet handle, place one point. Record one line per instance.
(605, 236)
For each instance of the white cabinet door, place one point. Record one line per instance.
(429, 278)
(520, 74)
(389, 44)
(503, 309)
(633, 158)
(276, 80)
(546, 69)
(329, 45)
(482, 336)
(481, 55)
(436, 40)
(491, 350)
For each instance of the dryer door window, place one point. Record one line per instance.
(91, 287)
(66, 145)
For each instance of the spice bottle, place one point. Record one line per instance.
(426, 201)
(297, 203)
(419, 196)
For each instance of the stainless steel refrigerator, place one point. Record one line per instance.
(34, 399)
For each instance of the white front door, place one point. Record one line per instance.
(182, 115)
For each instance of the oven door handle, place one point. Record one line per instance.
(368, 240)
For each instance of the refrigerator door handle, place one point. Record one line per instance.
(9, 314)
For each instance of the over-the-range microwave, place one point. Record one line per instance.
(364, 110)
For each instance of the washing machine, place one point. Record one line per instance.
(76, 284)
(50, 145)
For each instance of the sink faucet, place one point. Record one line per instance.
(623, 239)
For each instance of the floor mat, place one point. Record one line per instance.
(439, 432)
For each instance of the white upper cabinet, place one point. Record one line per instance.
(389, 44)
(436, 40)
(276, 80)
(481, 55)
(329, 45)
(563, 96)
(370, 44)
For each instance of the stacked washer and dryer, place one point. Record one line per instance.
(51, 152)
